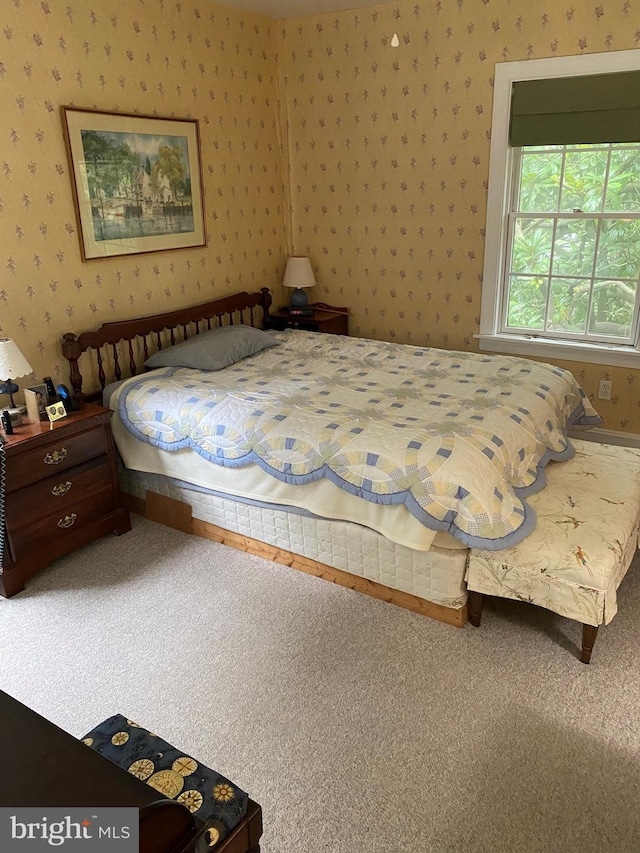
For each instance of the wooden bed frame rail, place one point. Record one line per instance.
(218, 312)
(173, 513)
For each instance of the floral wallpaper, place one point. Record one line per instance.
(184, 59)
(318, 137)
(389, 157)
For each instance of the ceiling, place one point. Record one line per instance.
(297, 8)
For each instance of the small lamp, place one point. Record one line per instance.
(12, 364)
(299, 275)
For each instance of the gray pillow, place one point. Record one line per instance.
(213, 350)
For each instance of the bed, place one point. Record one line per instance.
(372, 464)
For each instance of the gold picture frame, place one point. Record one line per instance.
(56, 411)
(137, 182)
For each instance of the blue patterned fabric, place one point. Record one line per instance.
(458, 438)
(173, 773)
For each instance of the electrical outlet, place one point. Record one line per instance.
(605, 389)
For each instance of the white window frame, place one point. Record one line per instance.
(491, 337)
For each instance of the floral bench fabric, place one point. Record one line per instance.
(173, 773)
(586, 536)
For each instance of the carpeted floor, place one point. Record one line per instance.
(359, 727)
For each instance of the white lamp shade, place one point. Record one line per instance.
(299, 273)
(12, 362)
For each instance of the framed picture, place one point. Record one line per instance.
(137, 182)
(36, 400)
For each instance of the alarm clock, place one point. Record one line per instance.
(70, 404)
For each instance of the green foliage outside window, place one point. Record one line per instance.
(579, 273)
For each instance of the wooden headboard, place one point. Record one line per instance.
(145, 335)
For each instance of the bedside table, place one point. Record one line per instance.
(325, 319)
(61, 492)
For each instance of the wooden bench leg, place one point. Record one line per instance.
(476, 600)
(589, 633)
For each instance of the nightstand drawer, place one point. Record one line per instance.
(56, 493)
(63, 523)
(49, 459)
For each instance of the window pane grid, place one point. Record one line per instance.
(544, 292)
(562, 171)
(606, 179)
(587, 278)
(567, 334)
(547, 309)
(624, 215)
(562, 176)
(593, 272)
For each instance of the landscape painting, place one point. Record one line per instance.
(137, 182)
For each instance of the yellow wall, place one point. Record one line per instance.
(387, 148)
(389, 157)
(186, 59)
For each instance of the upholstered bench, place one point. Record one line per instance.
(176, 776)
(585, 538)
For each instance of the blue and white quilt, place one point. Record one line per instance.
(459, 438)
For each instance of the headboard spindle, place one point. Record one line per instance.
(101, 375)
(132, 361)
(116, 363)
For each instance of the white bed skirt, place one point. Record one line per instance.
(436, 575)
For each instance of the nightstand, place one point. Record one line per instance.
(61, 492)
(333, 321)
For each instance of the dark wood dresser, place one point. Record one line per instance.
(71, 774)
(61, 492)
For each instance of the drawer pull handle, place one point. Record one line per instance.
(61, 488)
(68, 520)
(56, 457)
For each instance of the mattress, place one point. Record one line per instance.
(436, 575)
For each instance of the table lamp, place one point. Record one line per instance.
(12, 364)
(299, 275)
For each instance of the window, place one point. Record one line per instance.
(573, 243)
(562, 251)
